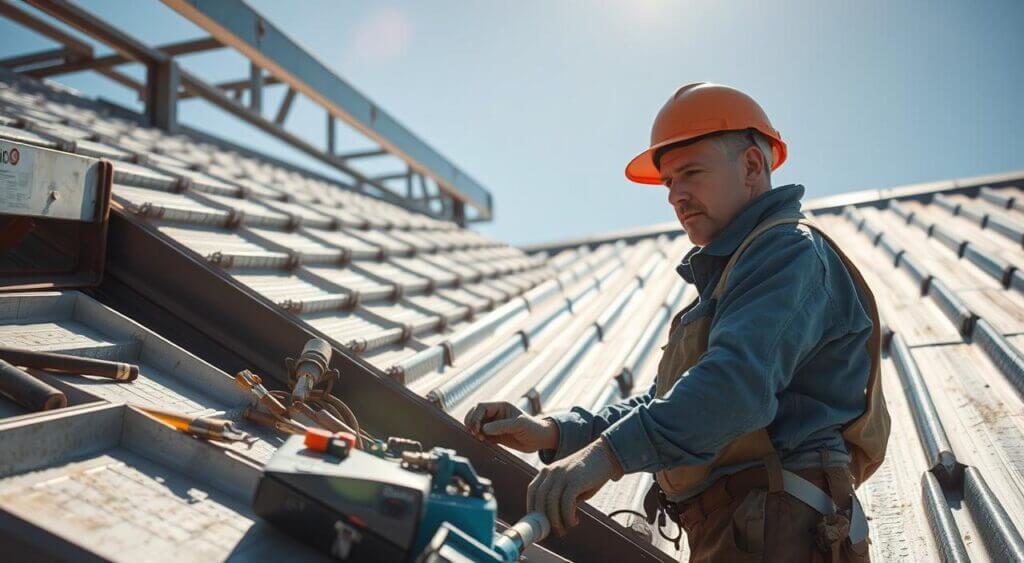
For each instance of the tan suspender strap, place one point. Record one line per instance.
(720, 286)
(774, 466)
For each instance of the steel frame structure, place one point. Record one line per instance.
(426, 182)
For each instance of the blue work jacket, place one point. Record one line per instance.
(786, 350)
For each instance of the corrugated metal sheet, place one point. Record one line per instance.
(459, 318)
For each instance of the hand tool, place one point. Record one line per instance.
(311, 369)
(251, 382)
(202, 426)
(28, 391)
(284, 425)
(67, 363)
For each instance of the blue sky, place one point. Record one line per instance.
(545, 102)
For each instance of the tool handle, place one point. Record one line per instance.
(67, 363)
(532, 528)
(529, 530)
(28, 391)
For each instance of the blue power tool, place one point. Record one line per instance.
(409, 506)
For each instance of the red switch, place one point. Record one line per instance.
(318, 439)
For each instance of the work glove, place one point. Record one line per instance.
(504, 423)
(558, 487)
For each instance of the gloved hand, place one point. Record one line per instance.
(559, 486)
(504, 423)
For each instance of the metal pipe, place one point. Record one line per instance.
(951, 305)
(1002, 539)
(457, 388)
(1002, 353)
(926, 419)
(67, 363)
(28, 391)
(453, 391)
(941, 521)
(596, 332)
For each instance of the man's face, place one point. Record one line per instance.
(706, 187)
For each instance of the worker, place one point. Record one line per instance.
(766, 411)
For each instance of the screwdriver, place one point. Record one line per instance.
(202, 426)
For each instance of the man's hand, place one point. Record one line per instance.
(559, 486)
(503, 423)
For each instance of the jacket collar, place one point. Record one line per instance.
(769, 203)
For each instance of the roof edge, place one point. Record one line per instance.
(825, 204)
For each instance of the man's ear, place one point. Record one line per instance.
(753, 166)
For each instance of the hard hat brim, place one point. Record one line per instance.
(642, 169)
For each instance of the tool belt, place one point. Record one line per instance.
(834, 525)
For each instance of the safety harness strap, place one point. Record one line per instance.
(858, 522)
(807, 493)
(811, 495)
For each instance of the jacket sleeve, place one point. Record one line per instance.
(578, 427)
(774, 309)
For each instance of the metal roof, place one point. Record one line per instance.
(427, 310)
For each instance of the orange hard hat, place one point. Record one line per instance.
(700, 109)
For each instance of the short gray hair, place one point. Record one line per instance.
(735, 142)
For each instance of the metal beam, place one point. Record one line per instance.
(124, 80)
(236, 87)
(363, 154)
(44, 28)
(76, 65)
(286, 106)
(239, 26)
(191, 46)
(79, 51)
(330, 134)
(100, 30)
(162, 80)
(59, 54)
(98, 63)
(215, 96)
(459, 213)
(255, 88)
(423, 183)
(395, 176)
(132, 49)
(125, 45)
